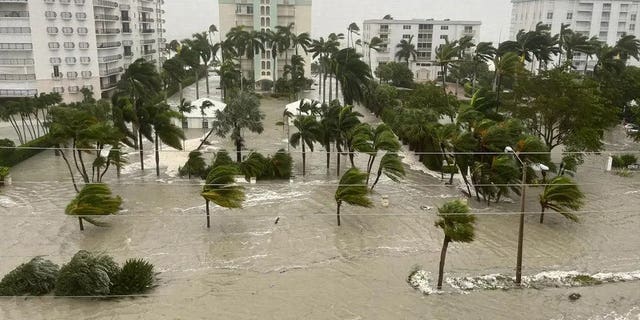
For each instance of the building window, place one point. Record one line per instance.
(56, 71)
(264, 65)
(444, 27)
(632, 17)
(249, 9)
(185, 124)
(604, 24)
(606, 15)
(406, 36)
(406, 27)
(549, 15)
(444, 37)
(262, 10)
(262, 22)
(632, 27)
(69, 45)
(54, 45)
(606, 6)
(83, 30)
(468, 29)
(268, 11)
(268, 21)
(205, 124)
(569, 15)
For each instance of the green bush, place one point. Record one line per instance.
(254, 165)
(87, 274)
(135, 277)
(36, 277)
(628, 159)
(195, 166)
(278, 167)
(449, 169)
(11, 157)
(4, 171)
(222, 158)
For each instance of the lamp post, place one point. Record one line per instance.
(521, 227)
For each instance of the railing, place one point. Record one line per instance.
(146, 20)
(107, 31)
(14, 14)
(108, 72)
(105, 3)
(17, 77)
(56, 77)
(16, 62)
(152, 51)
(106, 45)
(108, 17)
(18, 92)
(16, 46)
(148, 30)
(111, 58)
(108, 85)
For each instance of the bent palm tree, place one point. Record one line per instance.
(307, 134)
(561, 195)
(93, 200)
(352, 190)
(407, 50)
(457, 224)
(221, 190)
(391, 166)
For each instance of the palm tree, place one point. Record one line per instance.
(321, 49)
(307, 134)
(351, 30)
(391, 165)
(247, 43)
(346, 119)
(573, 42)
(201, 44)
(485, 51)
(220, 189)
(286, 35)
(375, 44)
(505, 64)
(457, 225)
(191, 57)
(628, 46)
(407, 50)
(352, 190)
(242, 113)
(382, 139)
(446, 54)
(353, 74)
(174, 68)
(163, 128)
(302, 40)
(139, 83)
(591, 48)
(93, 200)
(561, 195)
(565, 32)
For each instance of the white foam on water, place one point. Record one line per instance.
(420, 280)
(6, 202)
(265, 196)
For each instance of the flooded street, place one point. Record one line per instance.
(306, 267)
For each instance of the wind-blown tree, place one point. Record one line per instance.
(382, 139)
(200, 43)
(391, 165)
(446, 54)
(628, 46)
(351, 30)
(164, 130)
(307, 134)
(94, 200)
(247, 43)
(138, 85)
(352, 190)
(407, 50)
(242, 113)
(174, 69)
(286, 34)
(190, 55)
(457, 225)
(220, 188)
(561, 195)
(302, 41)
(483, 54)
(297, 82)
(321, 50)
(353, 74)
(326, 125)
(375, 44)
(345, 120)
(505, 65)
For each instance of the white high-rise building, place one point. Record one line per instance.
(66, 45)
(606, 19)
(262, 15)
(427, 35)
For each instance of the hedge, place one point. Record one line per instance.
(12, 157)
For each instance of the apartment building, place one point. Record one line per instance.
(262, 15)
(426, 35)
(606, 19)
(66, 45)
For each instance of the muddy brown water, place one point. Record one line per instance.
(305, 267)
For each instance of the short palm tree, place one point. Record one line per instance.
(391, 165)
(221, 190)
(407, 50)
(375, 44)
(458, 226)
(352, 190)
(561, 195)
(308, 131)
(93, 200)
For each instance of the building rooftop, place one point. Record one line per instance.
(425, 21)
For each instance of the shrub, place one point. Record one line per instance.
(617, 162)
(628, 159)
(135, 277)
(222, 159)
(11, 157)
(254, 165)
(278, 167)
(87, 274)
(4, 171)
(36, 277)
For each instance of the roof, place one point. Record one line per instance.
(209, 112)
(423, 21)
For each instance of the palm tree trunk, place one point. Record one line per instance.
(141, 150)
(206, 75)
(443, 256)
(338, 211)
(328, 156)
(337, 89)
(208, 219)
(338, 163)
(324, 85)
(542, 215)
(195, 70)
(66, 161)
(80, 222)
(180, 90)
(330, 88)
(238, 151)
(304, 160)
(157, 156)
(377, 178)
(370, 166)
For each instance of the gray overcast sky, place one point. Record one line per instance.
(185, 17)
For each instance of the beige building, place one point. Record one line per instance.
(266, 15)
(66, 45)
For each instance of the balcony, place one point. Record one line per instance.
(16, 47)
(13, 1)
(17, 77)
(148, 52)
(109, 72)
(107, 31)
(105, 4)
(109, 45)
(146, 20)
(145, 9)
(106, 17)
(14, 14)
(108, 85)
(111, 58)
(59, 76)
(148, 30)
(18, 92)
(16, 62)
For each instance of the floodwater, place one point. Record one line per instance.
(305, 267)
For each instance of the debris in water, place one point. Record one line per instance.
(277, 219)
(574, 296)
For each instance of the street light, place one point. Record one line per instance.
(521, 228)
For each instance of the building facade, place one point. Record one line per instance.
(427, 35)
(66, 45)
(262, 15)
(608, 20)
